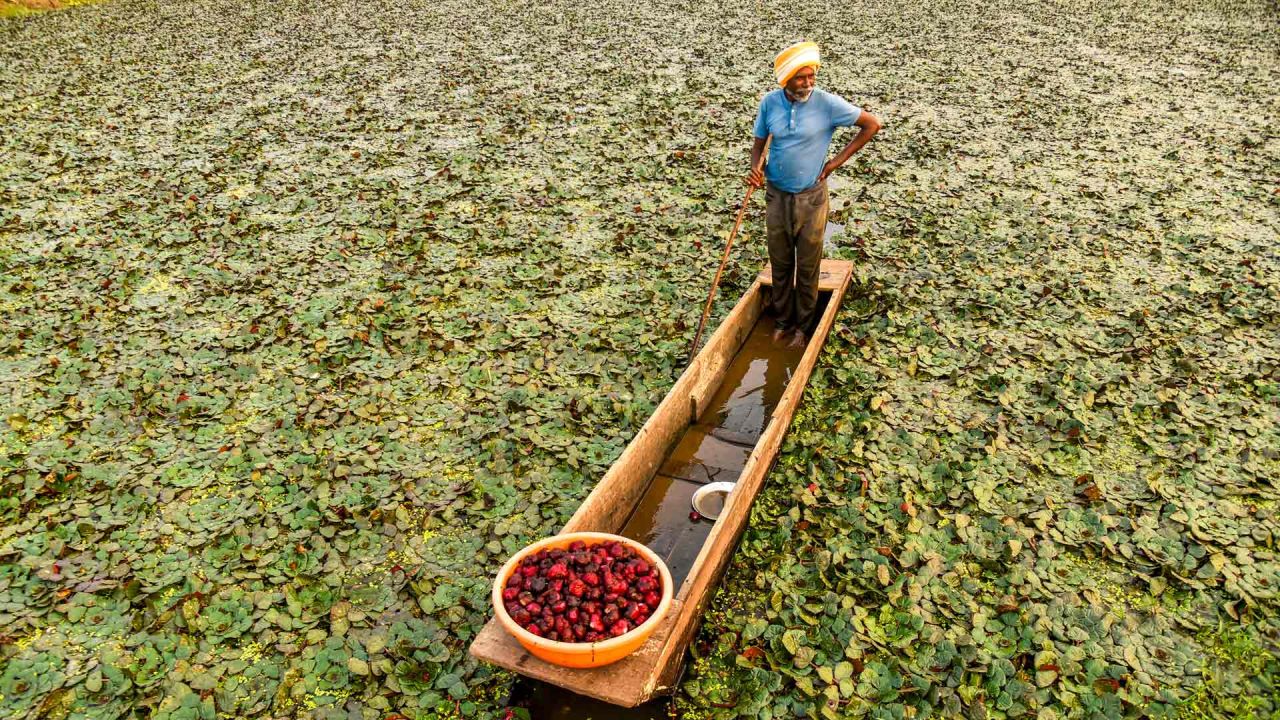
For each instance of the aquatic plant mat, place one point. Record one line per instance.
(314, 312)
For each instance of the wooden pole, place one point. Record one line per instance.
(724, 260)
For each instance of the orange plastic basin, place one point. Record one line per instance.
(583, 654)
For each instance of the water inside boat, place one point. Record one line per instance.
(714, 449)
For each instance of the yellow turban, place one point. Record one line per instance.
(789, 61)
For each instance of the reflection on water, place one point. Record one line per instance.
(828, 242)
(753, 385)
(702, 457)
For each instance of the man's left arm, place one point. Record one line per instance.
(868, 125)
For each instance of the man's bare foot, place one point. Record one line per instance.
(779, 333)
(799, 340)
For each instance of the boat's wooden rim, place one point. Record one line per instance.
(655, 667)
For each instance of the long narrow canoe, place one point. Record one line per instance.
(655, 668)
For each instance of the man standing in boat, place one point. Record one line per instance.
(801, 120)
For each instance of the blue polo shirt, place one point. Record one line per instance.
(801, 135)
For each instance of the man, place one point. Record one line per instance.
(801, 120)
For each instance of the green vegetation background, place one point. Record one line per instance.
(314, 312)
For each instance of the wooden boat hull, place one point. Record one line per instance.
(655, 667)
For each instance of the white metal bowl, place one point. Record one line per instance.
(703, 496)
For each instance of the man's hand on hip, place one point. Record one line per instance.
(868, 126)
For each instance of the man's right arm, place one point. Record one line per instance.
(759, 130)
(755, 177)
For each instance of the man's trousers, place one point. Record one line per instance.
(795, 224)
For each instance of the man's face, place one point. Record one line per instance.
(801, 85)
